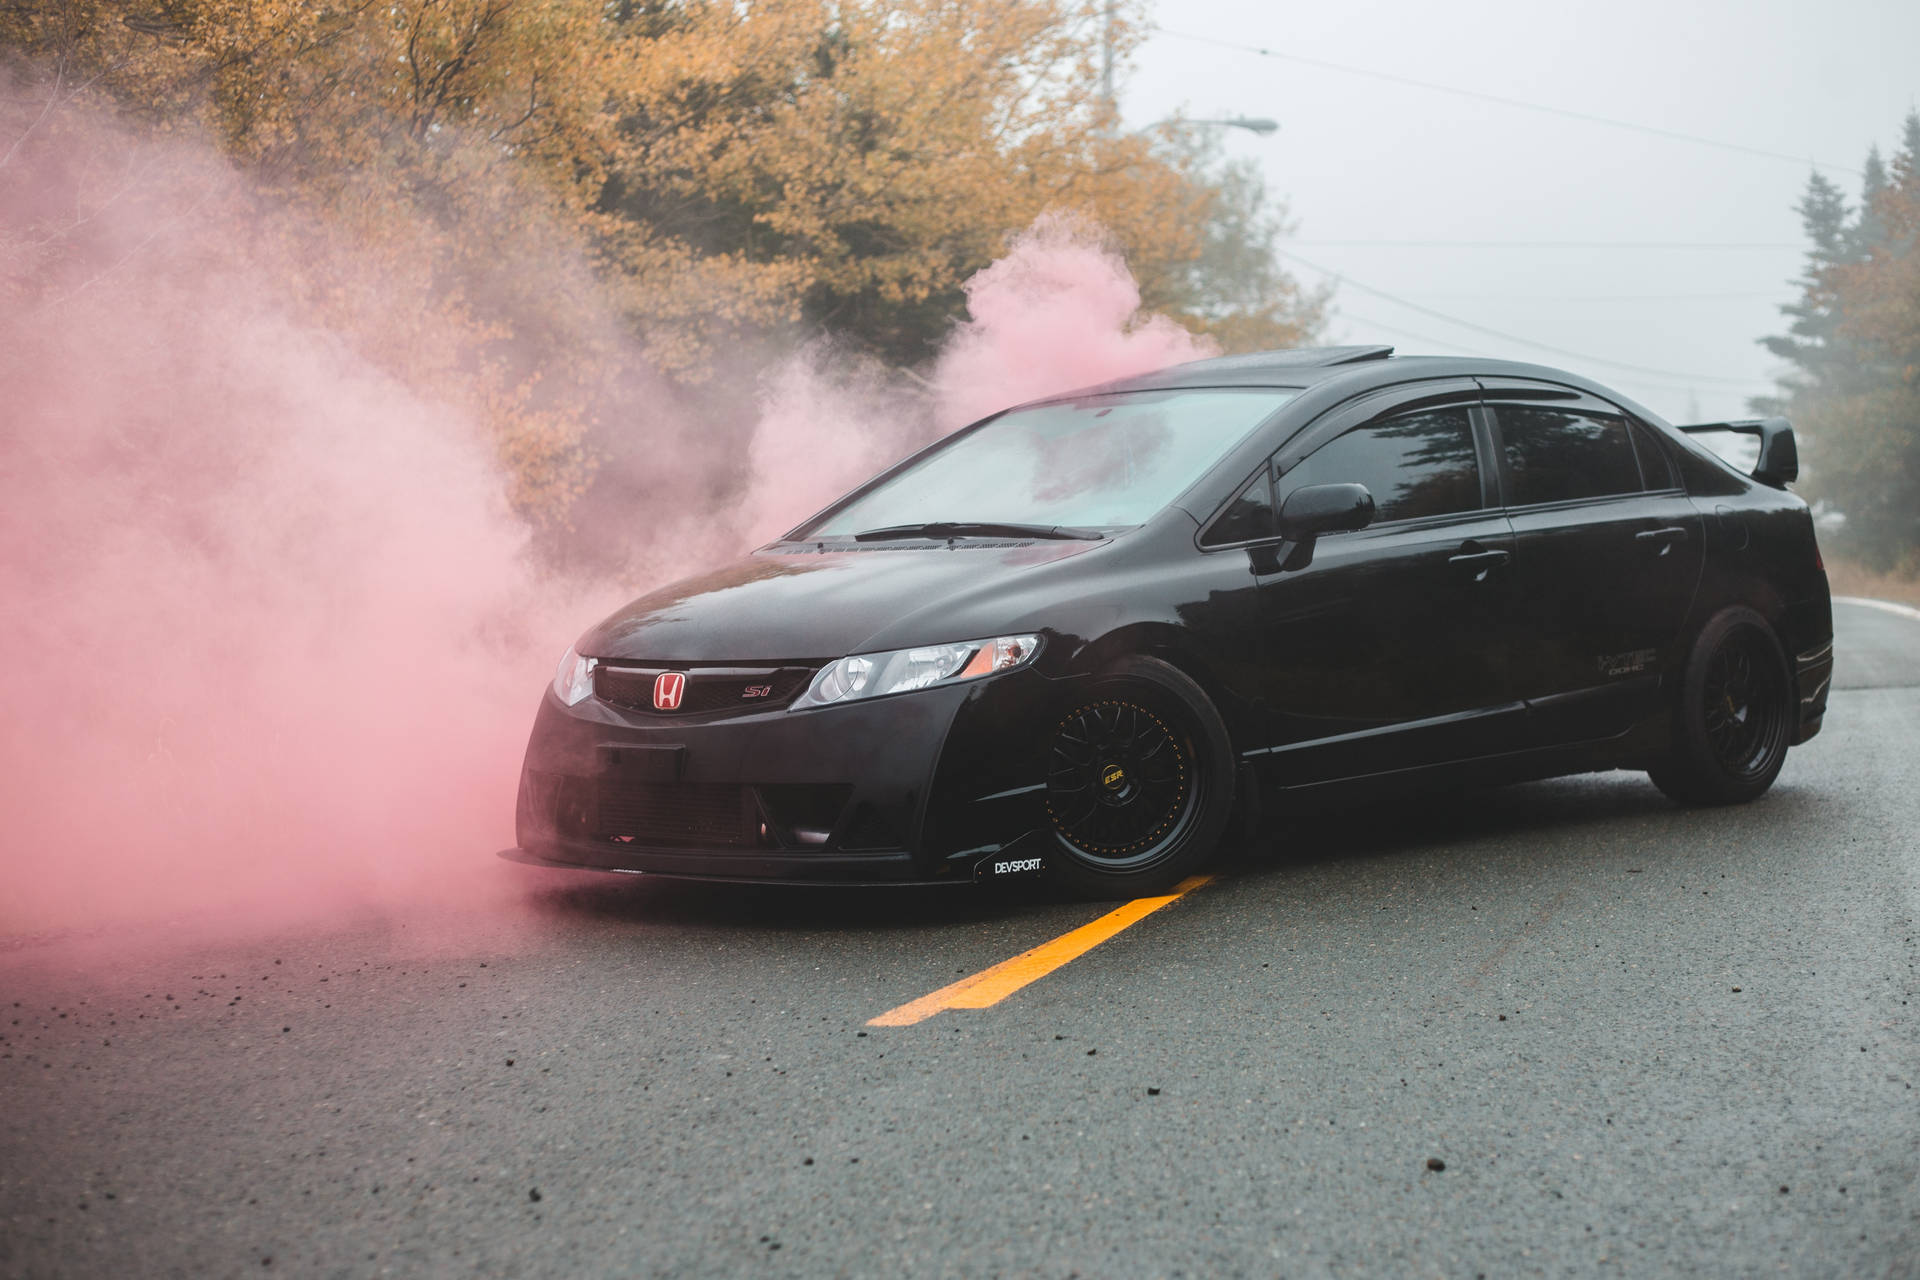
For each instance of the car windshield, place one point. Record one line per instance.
(1106, 461)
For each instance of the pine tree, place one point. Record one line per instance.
(1810, 341)
(1906, 161)
(1900, 210)
(1869, 230)
(1854, 348)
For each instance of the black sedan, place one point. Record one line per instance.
(1090, 636)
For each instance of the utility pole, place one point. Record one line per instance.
(1106, 55)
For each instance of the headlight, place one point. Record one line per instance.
(874, 675)
(574, 680)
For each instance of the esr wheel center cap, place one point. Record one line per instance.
(1116, 784)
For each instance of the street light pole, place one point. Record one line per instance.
(1252, 124)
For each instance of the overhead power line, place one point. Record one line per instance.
(1750, 295)
(1683, 378)
(1652, 130)
(1645, 385)
(1370, 323)
(1383, 326)
(1688, 245)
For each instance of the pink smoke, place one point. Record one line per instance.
(263, 601)
(273, 638)
(827, 422)
(1060, 311)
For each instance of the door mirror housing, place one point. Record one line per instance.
(1307, 513)
(1315, 509)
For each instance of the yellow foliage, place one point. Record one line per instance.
(733, 168)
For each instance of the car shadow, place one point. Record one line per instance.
(1568, 816)
(1420, 820)
(808, 907)
(1560, 810)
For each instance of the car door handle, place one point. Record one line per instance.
(1475, 565)
(1660, 541)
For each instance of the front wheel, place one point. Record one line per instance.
(1139, 781)
(1734, 717)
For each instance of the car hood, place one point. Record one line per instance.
(791, 604)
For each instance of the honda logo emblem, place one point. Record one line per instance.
(668, 688)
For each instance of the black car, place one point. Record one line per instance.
(1089, 636)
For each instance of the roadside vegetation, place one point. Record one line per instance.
(1849, 578)
(722, 178)
(1853, 353)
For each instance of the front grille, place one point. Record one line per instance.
(686, 815)
(698, 815)
(709, 690)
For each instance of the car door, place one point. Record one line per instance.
(1608, 554)
(1388, 648)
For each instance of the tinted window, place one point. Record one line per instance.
(1110, 460)
(1419, 465)
(1247, 517)
(1655, 465)
(1557, 454)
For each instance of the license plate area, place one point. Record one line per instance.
(643, 763)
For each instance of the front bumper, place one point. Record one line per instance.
(922, 787)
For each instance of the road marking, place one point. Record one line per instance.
(1886, 606)
(990, 986)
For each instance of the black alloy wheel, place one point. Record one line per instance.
(1735, 714)
(1119, 782)
(1139, 781)
(1743, 708)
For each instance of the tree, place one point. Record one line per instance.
(1234, 290)
(1868, 230)
(1855, 345)
(1810, 343)
(737, 174)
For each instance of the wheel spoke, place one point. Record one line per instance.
(1116, 782)
(1744, 709)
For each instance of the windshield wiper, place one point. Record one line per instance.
(978, 529)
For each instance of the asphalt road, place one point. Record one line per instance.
(1641, 1040)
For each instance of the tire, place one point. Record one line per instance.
(1140, 782)
(1734, 717)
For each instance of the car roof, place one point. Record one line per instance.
(1358, 367)
(1324, 377)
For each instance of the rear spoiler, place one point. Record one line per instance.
(1779, 460)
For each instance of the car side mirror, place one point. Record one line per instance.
(1307, 513)
(1325, 508)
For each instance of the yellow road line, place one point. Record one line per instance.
(991, 986)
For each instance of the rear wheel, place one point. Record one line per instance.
(1139, 781)
(1734, 717)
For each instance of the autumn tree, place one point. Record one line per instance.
(737, 174)
(1234, 289)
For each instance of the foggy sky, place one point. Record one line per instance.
(1363, 159)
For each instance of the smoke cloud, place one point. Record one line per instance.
(1059, 311)
(273, 634)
